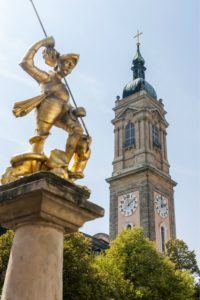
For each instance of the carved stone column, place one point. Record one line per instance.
(142, 134)
(165, 144)
(162, 143)
(121, 129)
(150, 136)
(146, 131)
(117, 142)
(137, 135)
(116, 134)
(40, 208)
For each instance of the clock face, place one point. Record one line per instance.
(161, 204)
(128, 204)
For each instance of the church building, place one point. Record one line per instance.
(141, 188)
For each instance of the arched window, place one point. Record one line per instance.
(155, 136)
(129, 225)
(129, 135)
(163, 237)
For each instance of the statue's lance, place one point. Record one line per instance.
(39, 19)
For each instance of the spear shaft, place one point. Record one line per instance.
(45, 33)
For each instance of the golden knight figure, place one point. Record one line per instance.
(52, 109)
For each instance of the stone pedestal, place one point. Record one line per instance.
(40, 208)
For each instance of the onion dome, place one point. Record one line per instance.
(138, 83)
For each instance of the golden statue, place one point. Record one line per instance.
(52, 108)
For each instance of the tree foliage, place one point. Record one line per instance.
(5, 246)
(143, 271)
(184, 259)
(130, 269)
(80, 280)
(181, 256)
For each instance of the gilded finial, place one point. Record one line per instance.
(138, 37)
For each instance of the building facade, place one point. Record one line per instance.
(141, 188)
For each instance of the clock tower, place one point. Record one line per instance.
(141, 188)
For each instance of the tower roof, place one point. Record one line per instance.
(138, 57)
(138, 83)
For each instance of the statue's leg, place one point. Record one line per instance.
(79, 166)
(72, 141)
(47, 112)
(38, 144)
(43, 129)
(81, 156)
(70, 123)
(59, 160)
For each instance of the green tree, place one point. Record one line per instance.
(143, 271)
(197, 290)
(5, 246)
(80, 279)
(184, 259)
(130, 269)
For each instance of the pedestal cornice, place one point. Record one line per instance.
(46, 198)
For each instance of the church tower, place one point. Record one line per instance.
(141, 188)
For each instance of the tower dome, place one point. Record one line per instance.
(138, 83)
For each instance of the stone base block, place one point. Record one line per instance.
(35, 266)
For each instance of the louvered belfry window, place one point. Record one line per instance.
(156, 138)
(129, 135)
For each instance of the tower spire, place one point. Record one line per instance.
(138, 67)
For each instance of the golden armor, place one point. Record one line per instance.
(52, 108)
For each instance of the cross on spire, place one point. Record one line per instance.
(137, 36)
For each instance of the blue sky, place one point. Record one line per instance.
(102, 33)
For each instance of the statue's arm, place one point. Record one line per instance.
(27, 62)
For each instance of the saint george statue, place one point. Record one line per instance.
(52, 108)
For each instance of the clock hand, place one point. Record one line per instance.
(129, 202)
